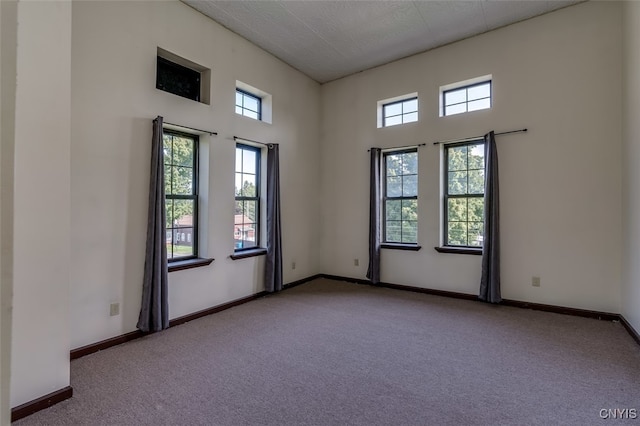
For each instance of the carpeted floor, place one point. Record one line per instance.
(332, 353)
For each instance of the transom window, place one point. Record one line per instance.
(464, 194)
(246, 229)
(400, 112)
(248, 105)
(468, 98)
(400, 196)
(181, 194)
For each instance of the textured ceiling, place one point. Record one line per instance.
(327, 40)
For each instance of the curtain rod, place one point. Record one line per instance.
(192, 128)
(399, 147)
(477, 137)
(250, 140)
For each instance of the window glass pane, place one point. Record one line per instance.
(476, 182)
(410, 118)
(394, 231)
(393, 210)
(457, 209)
(182, 151)
(457, 234)
(394, 164)
(410, 106)
(409, 231)
(183, 243)
(457, 158)
(455, 96)
(392, 121)
(239, 101)
(167, 180)
(250, 114)
(238, 110)
(475, 234)
(238, 184)
(183, 213)
(476, 156)
(183, 180)
(410, 163)
(457, 183)
(481, 104)
(249, 161)
(455, 109)
(392, 109)
(394, 186)
(251, 103)
(238, 159)
(248, 185)
(475, 211)
(478, 92)
(409, 209)
(410, 186)
(250, 210)
(168, 207)
(166, 142)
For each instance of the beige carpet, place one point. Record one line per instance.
(334, 353)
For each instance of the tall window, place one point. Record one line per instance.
(246, 229)
(467, 98)
(248, 105)
(401, 196)
(464, 194)
(181, 194)
(400, 112)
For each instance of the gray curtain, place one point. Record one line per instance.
(273, 266)
(154, 312)
(490, 281)
(373, 272)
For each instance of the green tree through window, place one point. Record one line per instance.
(464, 194)
(401, 196)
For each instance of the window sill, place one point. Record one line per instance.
(393, 246)
(459, 250)
(248, 253)
(179, 265)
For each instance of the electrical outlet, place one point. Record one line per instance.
(293, 265)
(535, 281)
(114, 309)
(356, 262)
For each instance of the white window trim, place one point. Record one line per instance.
(381, 103)
(266, 101)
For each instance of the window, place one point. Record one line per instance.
(246, 229)
(248, 105)
(400, 112)
(468, 98)
(464, 194)
(181, 194)
(400, 191)
(180, 76)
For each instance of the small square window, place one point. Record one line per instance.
(400, 112)
(248, 105)
(472, 97)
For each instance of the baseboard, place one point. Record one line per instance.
(605, 316)
(347, 279)
(434, 292)
(41, 403)
(632, 331)
(118, 340)
(104, 344)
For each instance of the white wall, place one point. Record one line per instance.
(114, 100)
(8, 41)
(631, 163)
(558, 76)
(40, 336)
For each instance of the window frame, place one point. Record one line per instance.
(466, 87)
(258, 99)
(402, 113)
(194, 196)
(447, 196)
(396, 244)
(257, 198)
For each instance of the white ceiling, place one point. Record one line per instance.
(327, 40)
